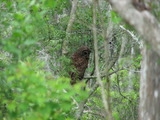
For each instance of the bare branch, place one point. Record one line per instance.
(132, 35)
(119, 90)
(94, 113)
(104, 74)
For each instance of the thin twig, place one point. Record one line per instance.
(132, 35)
(119, 90)
(103, 74)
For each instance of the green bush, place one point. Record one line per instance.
(36, 95)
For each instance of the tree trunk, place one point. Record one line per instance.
(148, 27)
(150, 86)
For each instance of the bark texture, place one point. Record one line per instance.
(150, 86)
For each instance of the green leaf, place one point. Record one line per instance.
(115, 18)
(50, 3)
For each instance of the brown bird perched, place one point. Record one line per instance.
(80, 62)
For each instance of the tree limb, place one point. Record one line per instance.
(143, 21)
(70, 23)
(103, 95)
(103, 74)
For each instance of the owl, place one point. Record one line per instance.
(80, 62)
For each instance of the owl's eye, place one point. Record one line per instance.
(85, 53)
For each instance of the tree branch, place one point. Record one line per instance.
(105, 102)
(143, 21)
(70, 23)
(81, 105)
(103, 74)
(132, 35)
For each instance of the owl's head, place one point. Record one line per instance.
(84, 51)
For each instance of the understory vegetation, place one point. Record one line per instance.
(34, 79)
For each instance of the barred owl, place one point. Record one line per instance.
(80, 62)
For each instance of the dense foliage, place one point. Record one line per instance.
(34, 80)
